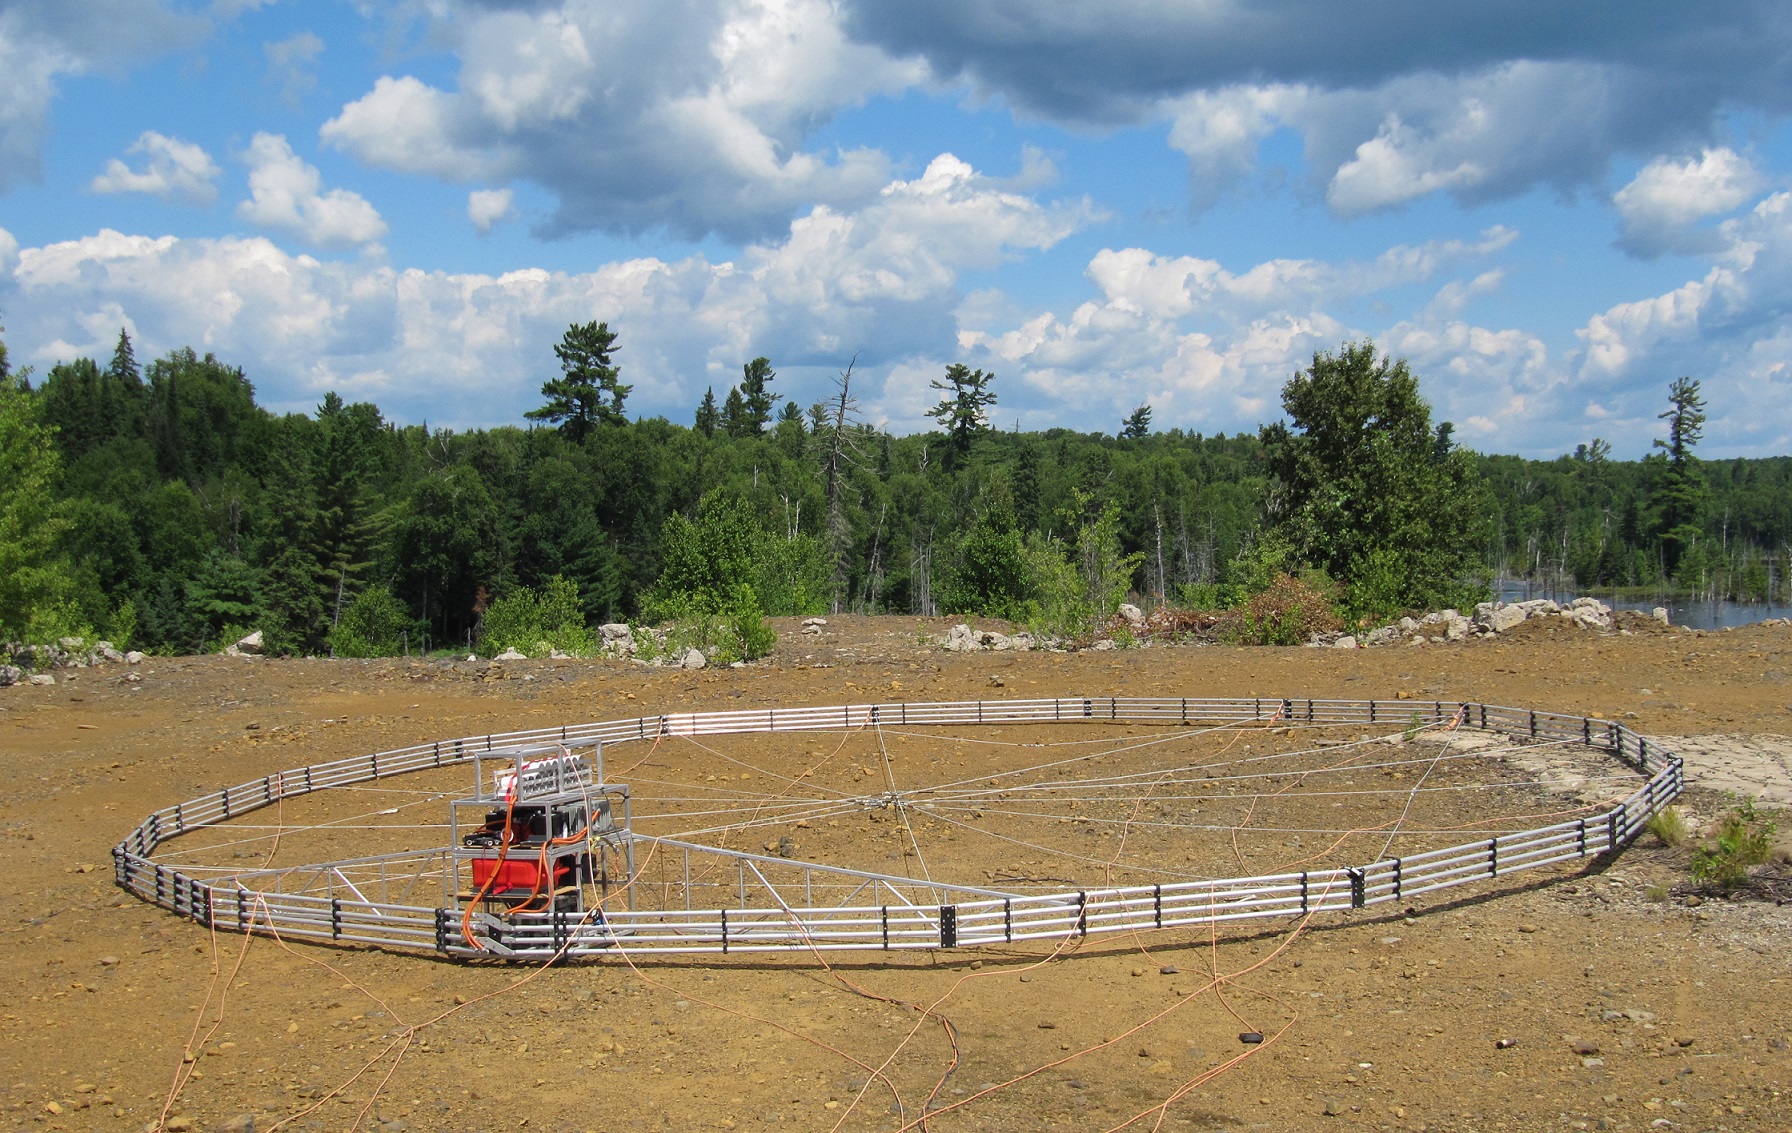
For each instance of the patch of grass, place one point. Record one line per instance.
(1655, 893)
(1668, 826)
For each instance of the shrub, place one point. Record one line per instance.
(727, 632)
(538, 623)
(375, 625)
(1288, 612)
(1744, 840)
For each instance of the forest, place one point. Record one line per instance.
(160, 507)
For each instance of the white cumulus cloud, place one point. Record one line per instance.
(172, 170)
(638, 114)
(286, 195)
(486, 207)
(1659, 209)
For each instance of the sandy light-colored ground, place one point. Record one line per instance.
(1581, 999)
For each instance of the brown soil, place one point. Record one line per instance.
(1466, 1016)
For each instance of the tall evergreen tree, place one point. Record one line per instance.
(736, 420)
(962, 411)
(586, 394)
(1137, 425)
(708, 416)
(123, 369)
(1680, 493)
(755, 376)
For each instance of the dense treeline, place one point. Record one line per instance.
(183, 514)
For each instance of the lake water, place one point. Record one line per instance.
(1698, 615)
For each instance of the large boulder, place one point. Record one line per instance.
(962, 638)
(694, 659)
(1498, 617)
(1134, 616)
(511, 654)
(10, 675)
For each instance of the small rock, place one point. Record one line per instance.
(179, 1124)
(1660, 614)
(1047, 1025)
(1250, 1038)
(1345, 642)
(1693, 901)
(1527, 928)
(242, 1123)
(1683, 1041)
(1169, 970)
(1333, 1107)
(818, 622)
(511, 654)
(1505, 1044)
(1593, 1063)
(108, 961)
(52, 1108)
(41, 679)
(251, 644)
(1583, 1046)
(694, 659)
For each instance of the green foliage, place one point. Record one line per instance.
(1287, 612)
(756, 399)
(1668, 826)
(1059, 606)
(223, 602)
(707, 557)
(1366, 490)
(1138, 425)
(37, 598)
(708, 416)
(1107, 571)
(586, 394)
(990, 577)
(731, 628)
(962, 412)
(1744, 840)
(1680, 495)
(375, 624)
(537, 623)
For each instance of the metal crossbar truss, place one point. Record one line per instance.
(775, 904)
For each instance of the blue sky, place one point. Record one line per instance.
(1550, 211)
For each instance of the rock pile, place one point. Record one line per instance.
(1489, 619)
(31, 664)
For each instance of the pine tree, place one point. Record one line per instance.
(736, 421)
(123, 369)
(755, 375)
(1680, 494)
(962, 411)
(1138, 425)
(586, 394)
(708, 416)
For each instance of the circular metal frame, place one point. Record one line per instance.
(777, 910)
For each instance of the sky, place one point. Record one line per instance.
(1549, 210)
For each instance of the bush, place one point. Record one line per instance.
(1288, 612)
(538, 623)
(725, 632)
(375, 625)
(1744, 840)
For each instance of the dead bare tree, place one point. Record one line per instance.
(840, 455)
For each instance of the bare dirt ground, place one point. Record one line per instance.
(1580, 999)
